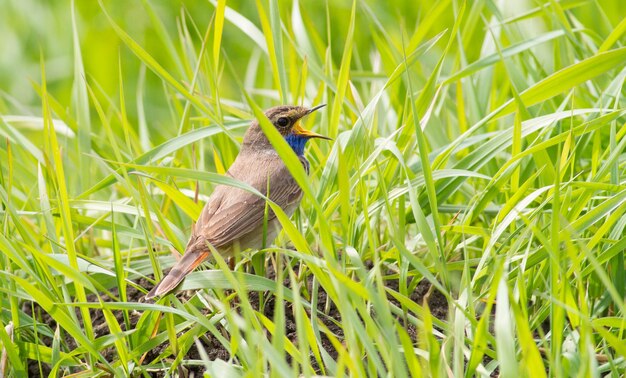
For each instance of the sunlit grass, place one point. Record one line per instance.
(467, 220)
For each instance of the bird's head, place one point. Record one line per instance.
(287, 120)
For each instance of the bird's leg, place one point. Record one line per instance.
(231, 263)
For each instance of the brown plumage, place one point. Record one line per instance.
(232, 218)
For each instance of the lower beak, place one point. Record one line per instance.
(299, 130)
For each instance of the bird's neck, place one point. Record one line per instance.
(297, 143)
(255, 140)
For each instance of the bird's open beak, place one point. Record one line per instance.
(299, 130)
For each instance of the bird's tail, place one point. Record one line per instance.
(190, 260)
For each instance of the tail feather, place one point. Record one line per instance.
(186, 265)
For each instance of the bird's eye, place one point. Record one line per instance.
(282, 122)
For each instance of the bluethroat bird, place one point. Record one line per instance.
(233, 218)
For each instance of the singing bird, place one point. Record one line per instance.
(233, 218)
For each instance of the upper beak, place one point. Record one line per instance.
(299, 130)
(315, 108)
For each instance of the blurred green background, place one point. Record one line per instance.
(32, 30)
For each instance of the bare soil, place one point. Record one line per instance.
(215, 350)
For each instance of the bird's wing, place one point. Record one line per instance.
(232, 213)
(237, 212)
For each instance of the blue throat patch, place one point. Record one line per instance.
(297, 143)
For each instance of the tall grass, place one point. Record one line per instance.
(467, 220)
